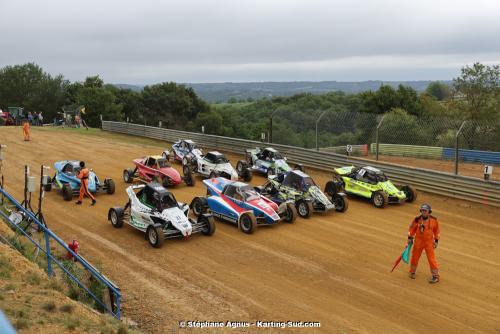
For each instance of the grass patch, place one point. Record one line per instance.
(33, 278)
(71, 323)
(21, 323)
(49, 307)
(122, 329)
(66, 308)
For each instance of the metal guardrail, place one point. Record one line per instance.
(440, 183)
(115, 308)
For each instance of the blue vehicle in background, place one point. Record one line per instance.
(66, 179)
(238, 203)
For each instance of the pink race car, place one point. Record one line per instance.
(155, 168)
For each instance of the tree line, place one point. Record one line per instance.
(411, 117)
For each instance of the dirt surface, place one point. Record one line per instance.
(466, 169)
(332, 268)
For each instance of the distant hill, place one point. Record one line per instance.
(222, 92)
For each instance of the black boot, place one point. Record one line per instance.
(93, 202)
(434, 280)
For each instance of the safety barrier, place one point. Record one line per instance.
(445, 184)
(115, 294)
(432, 152)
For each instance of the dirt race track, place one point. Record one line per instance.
(332, 268)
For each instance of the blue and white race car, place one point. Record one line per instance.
(67, 181)
(183, 150)
(239, 203)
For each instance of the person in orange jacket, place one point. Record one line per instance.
(424, 233)
(84, 184)
(26, 130)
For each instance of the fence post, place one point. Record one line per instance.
(376, 137)
(47, 248)
(456, 147)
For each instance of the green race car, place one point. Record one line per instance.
(369, 182)
(268, 161)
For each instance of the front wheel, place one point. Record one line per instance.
(115, 216)
(155, 236)
(304, 208)
(208, 225)
(247, 223)
(188, 176)
(411, 194)
(290, 213)
(165, 156)
(270, 172)
(380, 199)
(341, 202)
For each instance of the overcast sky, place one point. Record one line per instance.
(146, 41)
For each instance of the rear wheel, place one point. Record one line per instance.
(48, 186)
(116, 217)
(110, 189)
(208, 225)
(128, 175)
(341, 202)
(199, 206)
(212, 175)
(67, 192)
(155, 236)
(165, 182)
(380, 199)
(248, 223)
(304, 208)
(411, 194)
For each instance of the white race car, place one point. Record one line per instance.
(215, 164)
(154, 210)
(181, 149)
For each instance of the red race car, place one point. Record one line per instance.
(155, 168)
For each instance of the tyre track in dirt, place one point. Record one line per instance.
(331, 268)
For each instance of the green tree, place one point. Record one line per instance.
(173, 104)
(439, 90)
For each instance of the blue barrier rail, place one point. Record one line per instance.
(48, 234)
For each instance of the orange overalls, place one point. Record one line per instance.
(84, 184)
(424, 232)
(26, 131)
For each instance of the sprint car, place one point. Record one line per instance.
(153, 210)
(182, 149)
(371, 183)
(67, 181)
(268, 161)
(300, 188)
(215, 164)
(238, 203)
(154, 168)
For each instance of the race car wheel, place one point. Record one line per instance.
(67, 192)
(299, 167)
(270, 172)
(212, 175)
(411, 194)
(155, 236)
(341, 202)
(334, 187)
(165, 156)
(48, 186)
(199, 206)
(208, 225)
(110, 186)
(241, 166)
(115, 216)
(290, 213)
(188, 176)
(247, 175)
(248, 223)
(128, 175)
(185, 161)
(165, 182)
(380, 199)
(304, 208)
